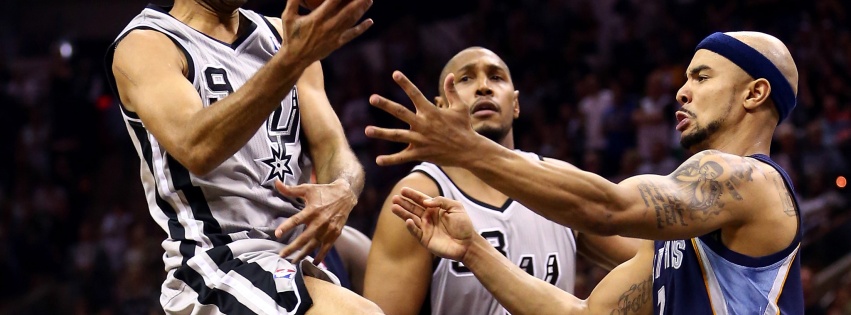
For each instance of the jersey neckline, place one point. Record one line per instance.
(236, 43)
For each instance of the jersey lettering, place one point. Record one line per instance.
(669, 255)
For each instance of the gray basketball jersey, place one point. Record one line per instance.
(237, 199)
(541, 247)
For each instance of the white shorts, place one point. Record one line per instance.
(254, 282)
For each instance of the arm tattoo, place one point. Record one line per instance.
(668, 210)
(697, 190)
(632, 301)
(785, 197)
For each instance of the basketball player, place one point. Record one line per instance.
(540, 247)
(223, 106)
(725, 223)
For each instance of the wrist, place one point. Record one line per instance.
(290, 60)
(477, 248)
(346, 186)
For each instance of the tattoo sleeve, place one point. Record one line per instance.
(696, 190)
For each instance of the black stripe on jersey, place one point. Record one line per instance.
(439, 189)
(260, 278)
(197, 202)
(175, 229)
(476, 201)
(226, 302)
(273, 29)
(110, 54)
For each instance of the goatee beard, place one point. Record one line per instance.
(494, 134)
(699, 136)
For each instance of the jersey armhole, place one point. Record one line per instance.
(110, 55)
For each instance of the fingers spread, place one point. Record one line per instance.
(354, 32)
(420, 101)
(395, 135)
(452, 97)
(397, 158)
(393, 108)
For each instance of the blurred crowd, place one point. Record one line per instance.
(597, 80)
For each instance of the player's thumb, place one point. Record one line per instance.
(286, 190)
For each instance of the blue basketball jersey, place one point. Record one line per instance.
(702, 276)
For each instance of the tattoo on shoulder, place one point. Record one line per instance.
(785, 196)
(633, 300)
(698, 188)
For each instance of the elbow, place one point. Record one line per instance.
(604, 221)
(199, 162)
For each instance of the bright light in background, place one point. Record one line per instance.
(841, 182)
(65, 49)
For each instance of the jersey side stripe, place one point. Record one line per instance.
(175, 229)
(713, 289)
(166, 189)
(197, 202)
(779, 281)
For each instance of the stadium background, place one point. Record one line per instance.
(75, 234)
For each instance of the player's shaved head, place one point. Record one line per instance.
(774, 50)
(464, 56)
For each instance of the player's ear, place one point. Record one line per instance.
(516, 104)
(758, 91)
(439, 102)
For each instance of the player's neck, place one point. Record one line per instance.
(219, 23)
(508, 140)
(744, 140)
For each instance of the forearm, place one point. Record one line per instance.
(561, 193)
(215, 133)
(340, 164)
(516, 290)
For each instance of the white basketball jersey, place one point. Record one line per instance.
(237, 199)
(543, 248)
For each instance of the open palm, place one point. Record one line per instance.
(440, 224)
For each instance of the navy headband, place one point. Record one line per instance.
(756, 65)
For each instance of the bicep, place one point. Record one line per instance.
(704, 194)
(396, 254)
(149, 75)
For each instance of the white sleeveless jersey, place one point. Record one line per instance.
(236, 200)
(543, 248)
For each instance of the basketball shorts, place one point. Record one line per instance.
(253, 282)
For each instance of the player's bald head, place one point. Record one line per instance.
(466, 57)
(774, 50)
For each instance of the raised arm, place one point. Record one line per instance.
(150, 76)
(442, 226)
(709, 191)
(398, 270)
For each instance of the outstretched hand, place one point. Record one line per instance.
(440, 224)
(331, 25)
(327, 207)
(438, 135)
